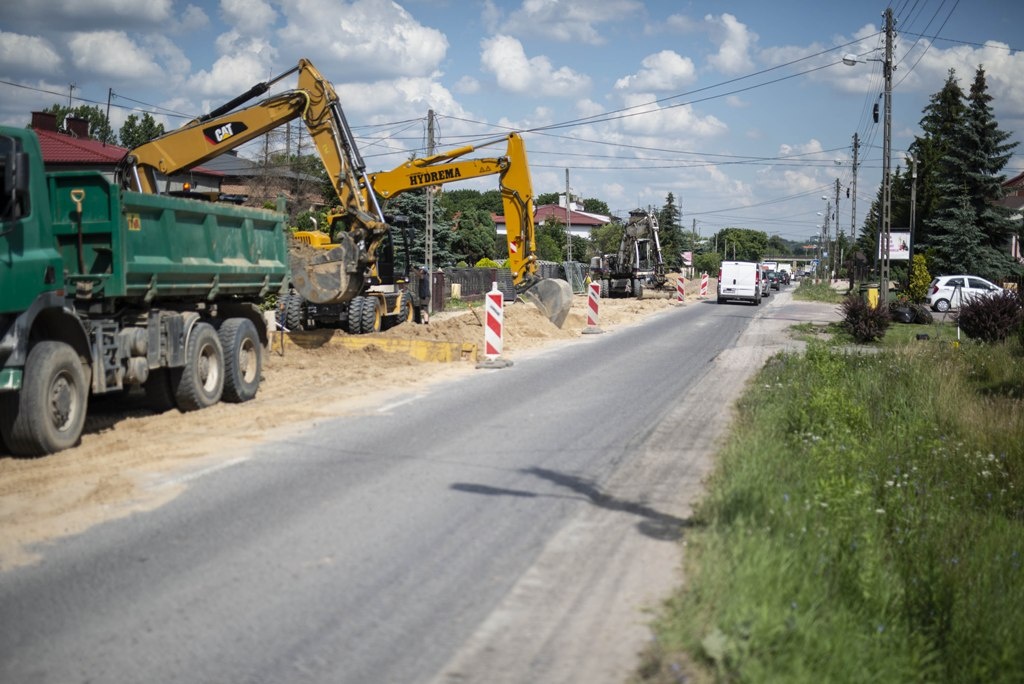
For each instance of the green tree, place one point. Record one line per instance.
(596, 206)
(546, 198)
(550, 238)
(985, 180)
(742, 244)
(959, 245)
(940, 125)
(136, 131)
(413, 206)
(474, 235)
(670, 233)
(99, 124)
(605, 239)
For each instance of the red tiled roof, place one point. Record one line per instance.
(59, 148)
(65, 149)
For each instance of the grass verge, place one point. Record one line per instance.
(864, 525)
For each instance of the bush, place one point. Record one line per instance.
(991, 319)
(487, 263)
(865, 323)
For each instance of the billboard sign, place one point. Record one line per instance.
(899, 245)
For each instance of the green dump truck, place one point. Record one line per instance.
(104, 290)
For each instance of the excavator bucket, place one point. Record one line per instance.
(327, 276)
(553, 297)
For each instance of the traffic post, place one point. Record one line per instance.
(593, 304)
(494, 319)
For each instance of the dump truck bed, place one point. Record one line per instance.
(153, 247)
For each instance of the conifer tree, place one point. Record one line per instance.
(985, 180)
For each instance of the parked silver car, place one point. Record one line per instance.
(948, 292)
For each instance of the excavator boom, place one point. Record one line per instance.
(325, 277)
(552, 296)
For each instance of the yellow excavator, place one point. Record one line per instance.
(552, 296)
(341, 271)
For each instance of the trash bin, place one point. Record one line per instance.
(869, 293)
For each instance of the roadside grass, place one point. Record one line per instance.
(864, 524)
(808, 290)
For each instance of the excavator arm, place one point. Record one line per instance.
(552, 296)
(320, 276)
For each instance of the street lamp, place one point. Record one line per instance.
(886, 226)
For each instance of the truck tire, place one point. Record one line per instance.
(159, 394)
(48, 413)
(372, 315)
(292, 311)
(638, 288)
(201, 382)
(243, 360)
(354, 323)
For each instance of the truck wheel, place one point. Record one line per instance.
(243, 360)
(48, 413)
(159, 394)
(200, 383)
(372, 315)
(293, 311)
(354, 323)
(638, 288)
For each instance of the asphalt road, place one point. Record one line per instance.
(507, 525)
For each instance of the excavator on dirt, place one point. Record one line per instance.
(553, 296)
(343, 268)
(638, 263)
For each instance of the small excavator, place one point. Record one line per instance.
(637, 264)
(342, 269)
(553, 296)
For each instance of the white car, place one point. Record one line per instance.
(948, 292)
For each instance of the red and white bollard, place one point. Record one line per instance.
(704, 284)
(494, 317)
(593, 304)
(681, 290)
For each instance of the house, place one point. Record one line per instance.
(1014, 201)
(75, 151)
(580, 223)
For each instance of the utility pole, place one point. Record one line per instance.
(568, 219)
(693, 250)
(886, 161)
(853, 196)
(71, 90)
(913, 211)
(429, 239)
(836, 267)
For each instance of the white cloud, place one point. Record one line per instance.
(249, 17)
(230, 75)
(467, 85)
(364, 40)
(569, 21)
(675, 121)
(665, 70)
(112, 54)
(734, 42)
(29, 55)
(383, 101)
(504, 57)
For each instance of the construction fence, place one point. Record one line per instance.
(471, 284)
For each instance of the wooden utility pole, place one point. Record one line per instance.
(429, 239)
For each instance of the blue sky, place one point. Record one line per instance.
(741, 109)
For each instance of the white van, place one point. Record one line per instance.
(739, 280)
